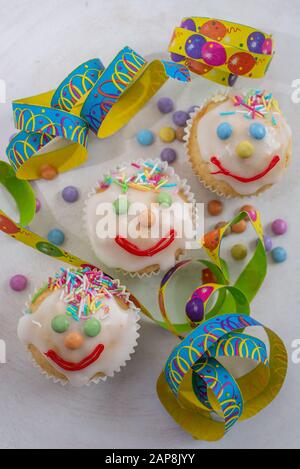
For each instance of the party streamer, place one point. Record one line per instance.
(54, 126)
(221, 51)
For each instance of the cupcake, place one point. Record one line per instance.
(239, 145)
(139, 218)
(80, 327)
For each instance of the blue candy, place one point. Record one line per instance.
(56, 237)
(145, 137)
(257, 131)
(279, 254)
(224, 131)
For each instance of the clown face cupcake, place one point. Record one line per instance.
(239, 145)
(140, 218)
(80, 327)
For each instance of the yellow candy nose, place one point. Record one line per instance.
(245, 149)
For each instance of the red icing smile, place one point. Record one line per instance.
(70, 366)
(136, 251)
(227, 172)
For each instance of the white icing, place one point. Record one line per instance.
(276, 142)
(115, 256)
(118, 335)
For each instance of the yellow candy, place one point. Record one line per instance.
(245, 149)
(167, 134)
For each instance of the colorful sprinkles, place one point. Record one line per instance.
(149, 177)
(84, 291)
(256, 103)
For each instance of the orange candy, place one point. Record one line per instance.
(215, 207)
(211, 240)
(239, 227)
(73, 341)
(147, 219)
(220, 225)
(180, 133)
(48, 173)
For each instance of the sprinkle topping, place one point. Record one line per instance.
(148, 177)
(255, 104)
(84, 291)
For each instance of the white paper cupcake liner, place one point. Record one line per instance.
(218, 97)
(126, 296)
(185, 189)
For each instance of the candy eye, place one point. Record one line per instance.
(164, 199)
(60, 324)
(257, 131)
(92, 327)
(121, 205)
(224, 131)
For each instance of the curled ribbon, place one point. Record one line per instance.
(22, 193)
(54, 126)
(221, 51)
(231, 298)
(196, 386)
(199, 392)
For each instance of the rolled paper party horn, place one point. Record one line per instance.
(221, 51)
(54, 126)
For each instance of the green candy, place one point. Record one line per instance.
(121, 205)
(239, 252)
(165, 199)
(92, 327)
(60, 324)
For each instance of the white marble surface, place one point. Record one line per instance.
(39, 42)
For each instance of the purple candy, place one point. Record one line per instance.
(165, 105)
(169, 155)
(279, 226)
(180, 118)
(18, 283)
(195, 310)
(38, 205)
(268, 243)
(70, 194)
(192, 109)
